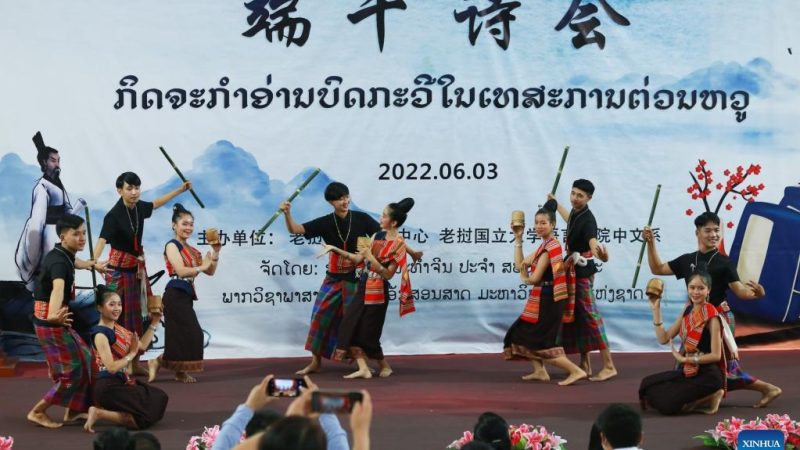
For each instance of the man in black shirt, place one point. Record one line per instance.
(342, 228)
(68, 357)
(587, 332)
(723, 277)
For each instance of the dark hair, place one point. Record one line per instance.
(261, 419)
(115, 438)
(701, 273)
(68, 222)
(621, 425)
(102, 293)
(128, 177)
(477, 445)
(399, 211)
(42, 151)
(703, 219)
(294, 432)
(584, 185)
(595, 440)
(549, 210)
(493, 430)
(335, 191)
(144, 441)
(177, 211)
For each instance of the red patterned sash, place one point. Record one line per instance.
(387, 252)
(563, 284)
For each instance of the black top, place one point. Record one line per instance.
(120, 223)
(104, 330)
(58, 263)
(582, 228)
(719, 266)
(358, 223)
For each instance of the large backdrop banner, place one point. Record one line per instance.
(464, 105)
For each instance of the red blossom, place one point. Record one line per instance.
(690, 189)
(761, 186)
(719, 186)
(689, 212)
(727, 172)
(729, 207)
(701, 176)
(695, 196)
(730, 224)
(702, 162)
(698, 169)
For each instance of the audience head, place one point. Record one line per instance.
(493, 430)
(261, 420)
(477, 445)
(620, 426)
(144, 441)
(293, 432)
(116, 438)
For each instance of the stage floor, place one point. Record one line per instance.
(426, 404)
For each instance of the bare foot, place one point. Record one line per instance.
(70, 419)
(89, 426)
(714, 401)
(152, 369)
(768, 397)
(359, 374)
(573, 378)
(311, 368)
(538, 375)
(385, 372)
(586, 366)
(604, 375)
(185, 378)
(43, 420)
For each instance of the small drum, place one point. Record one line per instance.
(517, 218)
(212, 236)
(655, 287)
(154, 304)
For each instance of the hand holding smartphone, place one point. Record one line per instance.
(285, 387)
(336, 402)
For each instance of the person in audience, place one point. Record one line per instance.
(619, 427)
(115, 438)
(144, 441)
(493, 430)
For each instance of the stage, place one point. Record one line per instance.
(426, 404)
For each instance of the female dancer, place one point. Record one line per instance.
(183, 337)
(121, 399)
(360, 331)
(535, 334)
(699, 382)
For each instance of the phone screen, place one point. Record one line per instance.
(285, 387)
(334, 401)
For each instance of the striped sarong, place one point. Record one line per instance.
(122, 277)
(69, 361)
(334, 296)
(587, 332)
(736, 377)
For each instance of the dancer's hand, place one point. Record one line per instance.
(326, 248)
(258, 397)
(602, 252)
(101, 266)
(655, 303)
(185, 186)
(517, 230)
(62, 317)
(647, 234)
(758, 289)
(286, 207)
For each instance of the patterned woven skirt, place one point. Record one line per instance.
(525, 340)
(69, 361)
(335, 295)
(183, 337)
(361, 329)
(668, 392)
(587, 332)
(125, 283)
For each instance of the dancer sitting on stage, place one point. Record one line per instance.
(587, 332)
(183, 337)
(121, 399)
(536, 333)
(69, 359)
(340, 229)
(362, 326)
(123, 227)
(698, 384)
(723, 276)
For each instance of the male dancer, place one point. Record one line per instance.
(587, 332)
(723, 276)
(69, 359)
(340, 229)
(123, 227)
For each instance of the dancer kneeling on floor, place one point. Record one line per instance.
(118, 397)
(698, 384)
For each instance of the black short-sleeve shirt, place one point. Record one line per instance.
(719, 266)
(58, 263)
(334, 230)
(120, 223)
(582, 228)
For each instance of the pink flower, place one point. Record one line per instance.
(210, 435)
(193, 444)
(6, 442)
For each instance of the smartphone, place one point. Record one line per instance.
(337, 402)
(285, 387)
